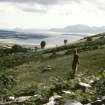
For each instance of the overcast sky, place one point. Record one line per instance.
(45, 14)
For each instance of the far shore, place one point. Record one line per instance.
(28, 45)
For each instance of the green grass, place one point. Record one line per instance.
(30, 74)
(27, 71)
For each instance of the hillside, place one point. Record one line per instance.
(31, 73)
(33, 70)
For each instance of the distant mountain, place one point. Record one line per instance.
(79, 29)
(53, 36)
(5, 34)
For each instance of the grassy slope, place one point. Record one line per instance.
(29, 74)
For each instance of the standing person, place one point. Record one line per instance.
(75, 62)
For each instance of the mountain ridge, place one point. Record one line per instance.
(80, 28)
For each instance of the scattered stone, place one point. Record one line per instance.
(52, 100)
(91, 81)
(97, 102)
(54, 97)
(23, 98)
(82, 86)
(103, 99)
(88, 104)
(36, 95)
(11, 98)
(85, 85)
(50, 103)
(47, 68)
(73, 103)
(67, 92)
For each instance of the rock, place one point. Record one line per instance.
(52, 100)
(23, 98)
(88, 104)
(97, 102)
(82, 86)
(91, 81)
(67, 92)
(85, 85)
(11, 98)
(46, 69)
(36, 95)
(103, 100)
(73, 103)
(50, 103)
(49, 67)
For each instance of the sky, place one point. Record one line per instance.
(46, 14)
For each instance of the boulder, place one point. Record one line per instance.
(52, 100)
(23, 98)
(73, 103)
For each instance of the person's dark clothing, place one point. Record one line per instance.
(75, 63)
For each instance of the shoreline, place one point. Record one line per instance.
(49, 43)
(26, 45)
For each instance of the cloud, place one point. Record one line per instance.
(33, 10)
(42, 2)
(41, 6)
(31, 7)
(29, 14)
(38, 5)
(100, 4)
(53, 2)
